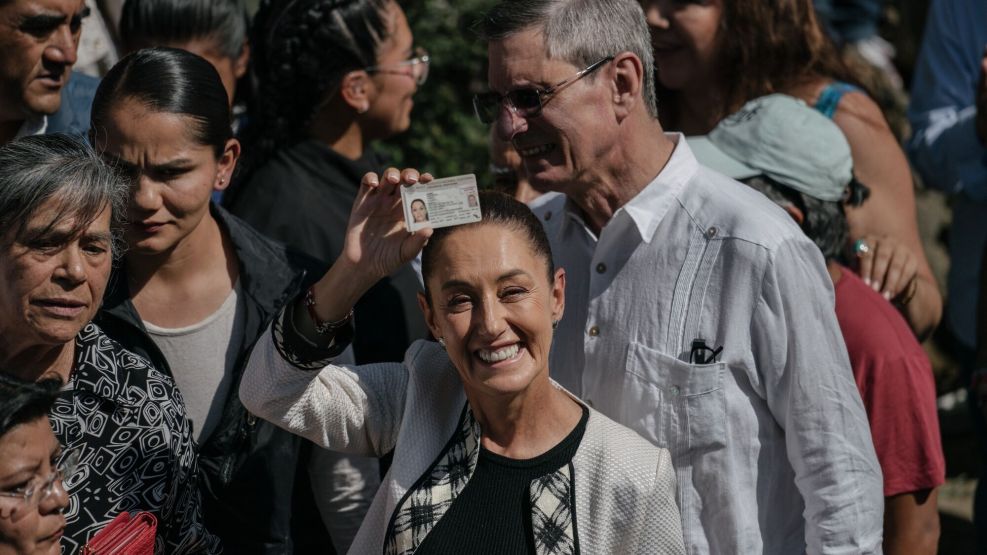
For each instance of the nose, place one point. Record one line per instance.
(56, 500)
(145, 197)
(63, 46)
(71, 270)
(655, 15)
(490, 319)
(510, 123)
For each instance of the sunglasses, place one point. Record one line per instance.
(526, 101)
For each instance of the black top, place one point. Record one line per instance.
(302, 196)
(493, 513)
(256, 494)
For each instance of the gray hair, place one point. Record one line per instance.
(36, 170)
(580, 32)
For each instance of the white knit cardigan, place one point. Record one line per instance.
(624, 487)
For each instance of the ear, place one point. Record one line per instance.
(357, 90)
(558, 294)
(429, 315)
(794, 212)
(242, 61)
(226, 165)
(628, 83)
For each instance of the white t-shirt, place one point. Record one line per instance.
(201, 361)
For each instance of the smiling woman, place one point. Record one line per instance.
(123, 419)
(490, 455)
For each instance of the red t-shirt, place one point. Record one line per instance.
(896, 384)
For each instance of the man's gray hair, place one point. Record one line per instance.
(60, 168)
(580, 32)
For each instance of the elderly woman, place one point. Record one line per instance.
(32, 495)
(490, 456)
(125, 420)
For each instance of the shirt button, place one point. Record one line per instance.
(601, 267)
(594, 331)
(675, 391)
(711, 232)
(548, 215)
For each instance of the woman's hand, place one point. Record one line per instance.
(377, 243)
(377, 238)
(888, 266)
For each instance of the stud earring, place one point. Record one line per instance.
(442, 342)
(555, 324)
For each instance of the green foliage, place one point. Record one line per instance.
(445, 137)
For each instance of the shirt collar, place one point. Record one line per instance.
(33, 126)
(649, 206)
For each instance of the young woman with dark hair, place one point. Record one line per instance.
(333, 77)
(197, 287)
(714, 55)
(33, 496)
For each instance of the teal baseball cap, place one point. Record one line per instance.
(781, 137)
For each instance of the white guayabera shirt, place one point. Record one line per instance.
(771, 444)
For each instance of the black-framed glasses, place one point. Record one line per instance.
(418, 64)
(38, 488)
(526, 101)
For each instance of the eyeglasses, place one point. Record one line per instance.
(418, 64)
(526, 101)
(38, 488)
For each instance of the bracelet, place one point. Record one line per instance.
(324, 328)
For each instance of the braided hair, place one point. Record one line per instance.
(302, 49)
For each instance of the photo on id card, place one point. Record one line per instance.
(441, 203)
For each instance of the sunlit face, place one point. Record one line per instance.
(389, 112)
(26, 451)
(685, 35)
(51, 282)
(493, 305)
(177, 175)
(576, 129)
(38, 42)
(418, 211)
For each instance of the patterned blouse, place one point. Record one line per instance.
(128, 423)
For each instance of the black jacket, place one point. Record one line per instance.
(302, 197)
(255, 491)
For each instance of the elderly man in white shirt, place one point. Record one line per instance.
(698, 313)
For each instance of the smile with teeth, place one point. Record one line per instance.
(504, 353)
(536, 150)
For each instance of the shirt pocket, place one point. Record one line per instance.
(675, 404)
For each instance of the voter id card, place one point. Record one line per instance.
(441, 203)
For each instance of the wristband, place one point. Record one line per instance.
(324, 328)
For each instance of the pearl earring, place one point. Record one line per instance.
(442, 342)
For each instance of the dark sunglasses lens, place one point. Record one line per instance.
(486, 106)
(526, 100)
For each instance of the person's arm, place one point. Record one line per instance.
(353, 410)
(809, 388)
(944, 145)
(887, 220)
(911, 523)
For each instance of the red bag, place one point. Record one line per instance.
(125, 536)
